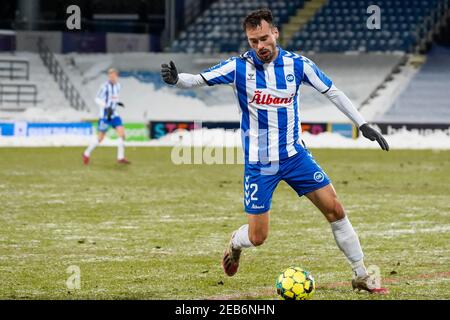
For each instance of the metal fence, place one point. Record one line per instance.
(18, 93)
(14, 69)
(60, 76)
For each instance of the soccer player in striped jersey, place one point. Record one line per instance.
(266, 81)
(108, 101)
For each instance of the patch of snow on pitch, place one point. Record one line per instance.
(231, 138)
(228, 138)
(36, 114)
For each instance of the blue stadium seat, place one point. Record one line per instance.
(221, 23)
(345, 23)
(338, 26)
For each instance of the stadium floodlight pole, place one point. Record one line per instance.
(170, 23)
(29, 10)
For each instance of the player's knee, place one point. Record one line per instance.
(258, 239)
(333, 210)
(336, 210)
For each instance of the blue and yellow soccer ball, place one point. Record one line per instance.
(294, 283)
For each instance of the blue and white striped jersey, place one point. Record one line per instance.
(267, 94)
(109, 96)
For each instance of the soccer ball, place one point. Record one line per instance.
(294, 283)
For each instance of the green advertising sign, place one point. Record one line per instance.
(133, 132)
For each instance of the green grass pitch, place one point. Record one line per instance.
(155, 230)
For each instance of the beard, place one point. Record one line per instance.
(265, 55)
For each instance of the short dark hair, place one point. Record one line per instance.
(254, 19)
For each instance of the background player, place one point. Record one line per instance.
(266, 81)
(108, 100)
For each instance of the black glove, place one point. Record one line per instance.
(169, 73)
(120, 104)
(371, 134)
(109, 113)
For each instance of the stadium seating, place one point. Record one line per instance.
(357, 74)
(210, 96)
(49, 96)
(340, 25)
(425, 99)
(146, 77)
(219, 28)
(346, 71)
